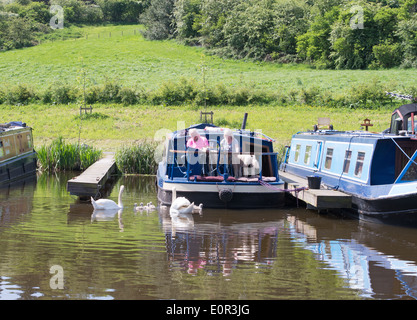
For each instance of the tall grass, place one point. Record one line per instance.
(61, 156)
(137, 159)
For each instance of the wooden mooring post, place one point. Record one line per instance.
(206, 114)
(85, 109)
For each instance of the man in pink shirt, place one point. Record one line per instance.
(196, 141)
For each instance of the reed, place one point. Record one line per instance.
(62, 156)
(137, 158)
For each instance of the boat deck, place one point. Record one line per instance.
(319, 199)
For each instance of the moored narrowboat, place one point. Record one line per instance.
(17, 155)
(241, 174)
(379, 170)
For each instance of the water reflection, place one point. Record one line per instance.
(220, 244)
(222, 254)
(108, 215)
(363, 256)
(194, 242)
(16, 200)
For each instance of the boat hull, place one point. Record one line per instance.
(18, 168)
(232, 196)
(372, 206)
(404, 205)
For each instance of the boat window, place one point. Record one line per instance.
(29, 141)
(359, 164)
(346, 163)
(411, 174)
(412, 120)
(307, 155)
(395, 123)
(297, 152)
(329, 157)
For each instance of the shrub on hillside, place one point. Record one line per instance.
(20, 94)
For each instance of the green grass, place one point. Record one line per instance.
(130, 60)
(116, 125)
(133, 61)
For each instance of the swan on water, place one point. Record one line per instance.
(151, 206)
(107, 204)
(182, 205)
(137, 207)
(198, 209)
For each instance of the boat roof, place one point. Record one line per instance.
(407, 109)
(14, 125)
(320, 134)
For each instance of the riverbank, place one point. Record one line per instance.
(112, 125)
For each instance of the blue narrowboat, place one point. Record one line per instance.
(216, 177)
(17, 156)
(379, 170)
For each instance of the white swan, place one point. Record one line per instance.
(198, 209)
(151, 206)
(107, 204)
(182, 205)
(137, 207)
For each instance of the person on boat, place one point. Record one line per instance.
(200, 143)
(196, 141)
(230, 144)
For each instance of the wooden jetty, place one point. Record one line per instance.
(93, 179)
(318, 199)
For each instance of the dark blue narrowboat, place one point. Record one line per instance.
(379, 170)
(245, 177)
(17, 155)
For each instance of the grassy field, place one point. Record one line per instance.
(112, 126)
(121, 54)
(131, 60)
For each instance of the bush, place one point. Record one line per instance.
(109, 92)
(2, 95)
(387, 55)
(63, 94)
(175, 93)
(137, 159)
(128, 96)
(92, 94)
(20, 94)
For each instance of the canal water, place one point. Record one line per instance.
(53, 247)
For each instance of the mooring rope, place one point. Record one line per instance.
(266, 184)
(295, 190)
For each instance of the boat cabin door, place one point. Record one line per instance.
(319, 150)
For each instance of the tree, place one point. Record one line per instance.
(249, 30)
(360, 26)
(407, 33)
(187, 15)
(314, 45)
(18, 33)
(158, 19)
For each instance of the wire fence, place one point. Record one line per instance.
(101, 35)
